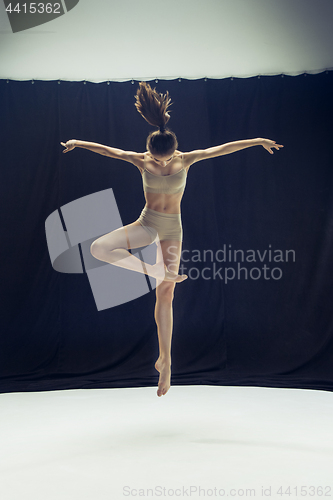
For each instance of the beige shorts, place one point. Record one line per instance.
(167, 226)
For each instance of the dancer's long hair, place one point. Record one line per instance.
(154, 109)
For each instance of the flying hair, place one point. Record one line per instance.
(152, 105)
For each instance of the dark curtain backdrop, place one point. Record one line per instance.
(272, 329)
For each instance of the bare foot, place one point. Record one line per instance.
(176, 278)
(164, 368)
(161, 273)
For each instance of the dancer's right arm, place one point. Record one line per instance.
(130, 156)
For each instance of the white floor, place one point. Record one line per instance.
(195, 442)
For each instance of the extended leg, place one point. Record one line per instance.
(164, 315)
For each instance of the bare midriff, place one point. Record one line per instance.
(166, 203)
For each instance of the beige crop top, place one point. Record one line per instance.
(166, 184)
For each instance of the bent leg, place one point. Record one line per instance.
(113, 248)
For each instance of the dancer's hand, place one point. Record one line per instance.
(268, 145)
(69, 145)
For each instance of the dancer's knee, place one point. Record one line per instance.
(165, 291)
(102, 250)
(97, 249)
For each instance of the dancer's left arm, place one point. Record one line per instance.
(227, 148)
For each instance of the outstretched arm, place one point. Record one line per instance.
(227, 148)
(130, 156)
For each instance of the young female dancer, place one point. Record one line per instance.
(164, 170)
